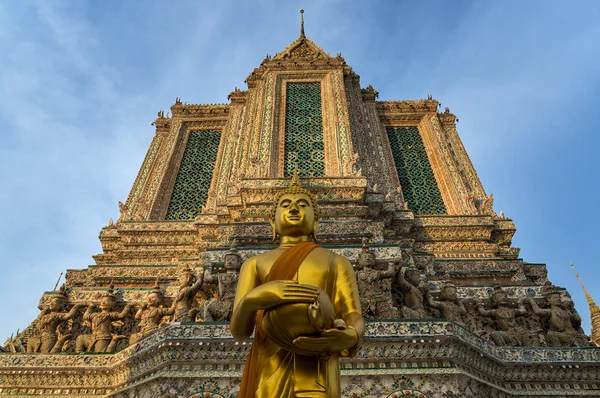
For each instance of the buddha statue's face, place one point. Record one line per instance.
(295, 215)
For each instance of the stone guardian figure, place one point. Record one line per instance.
(189, 285)
(450, 306)
(414, 291)
(101, 339)
(222, 308)
(561, 331)
(151, 313)
(52, 318)
(375, 302)
(508, 332)
(34, 342)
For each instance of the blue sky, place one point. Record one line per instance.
(81, 81)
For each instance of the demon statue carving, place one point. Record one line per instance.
(450, 306)
(563, 323)
(414, 291)
(101, 339)
(310, 287)
(375, 299)
(507, 331)
(151, 313)
(221, 309)
(51, 318)
(189, 285)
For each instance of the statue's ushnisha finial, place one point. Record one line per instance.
(302, 35)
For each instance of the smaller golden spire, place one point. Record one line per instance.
(594, 311)
(302, 35)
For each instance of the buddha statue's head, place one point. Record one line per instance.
(42, 305)
(295, 212)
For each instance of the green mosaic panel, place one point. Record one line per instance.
(195, 173)
(304, 130)
(418, 183)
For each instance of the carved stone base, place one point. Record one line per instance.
(426, 359)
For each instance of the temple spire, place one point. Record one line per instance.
(594, 311)
(302, 35)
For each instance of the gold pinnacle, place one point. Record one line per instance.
(587, 295)
(594, 311)
(302, 23)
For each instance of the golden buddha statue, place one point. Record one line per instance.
(303, 301)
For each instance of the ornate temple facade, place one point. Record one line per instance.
(451, 309)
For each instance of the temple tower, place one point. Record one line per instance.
(399, 196)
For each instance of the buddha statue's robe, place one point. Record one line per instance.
(281, 373)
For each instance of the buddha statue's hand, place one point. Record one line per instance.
(330, 341)
(274, 293)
